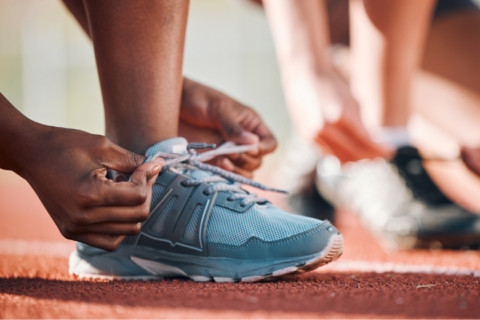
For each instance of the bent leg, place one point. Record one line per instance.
(447, 97)
(387, 40)
(447, 90)
(139, 54)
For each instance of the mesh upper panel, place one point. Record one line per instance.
(189, 233)
(156, 193)
(159, 224)
(268, 224)
(226, 226)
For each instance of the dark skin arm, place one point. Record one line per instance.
(138, 48)
(206, 115)
(139, 53)
(67, 169)
(320, 103)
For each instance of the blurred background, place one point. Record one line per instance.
(47, 65)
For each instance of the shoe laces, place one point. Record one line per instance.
(224, 180)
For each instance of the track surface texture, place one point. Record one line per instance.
(366, 282)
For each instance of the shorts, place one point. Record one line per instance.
(444, 7)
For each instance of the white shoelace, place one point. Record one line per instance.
(178, 162)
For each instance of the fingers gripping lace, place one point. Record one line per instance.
(175, 162)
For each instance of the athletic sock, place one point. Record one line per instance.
(394, 136)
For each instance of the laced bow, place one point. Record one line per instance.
(177, 162)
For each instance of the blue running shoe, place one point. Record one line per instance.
(203, 226)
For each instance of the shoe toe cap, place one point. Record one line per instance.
(310, 242)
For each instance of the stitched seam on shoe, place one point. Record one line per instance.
(269, 244)
(234, 208)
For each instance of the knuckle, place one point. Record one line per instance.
(250, 113)
(242, 161)
(111, 245)
(141, 196)
(144, 213)
(74, 229)
(102, 142)
(134, 229)
(222, 103)
(234, 156)
(87, 198)
(256, 164)
(274, 143)
(78, 220)
(134, 158)
(100, 146)
(251, 117)
(67, 234)
(116, 242)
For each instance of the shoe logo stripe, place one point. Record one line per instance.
(200, 234)
(159, 203)
(178, 219)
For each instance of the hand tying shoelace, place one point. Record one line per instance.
(204, 237)
(178, 162)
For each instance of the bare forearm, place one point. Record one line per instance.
(16, 133)
(387, 45)
(300, 32)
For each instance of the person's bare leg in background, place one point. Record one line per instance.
(386, 49)
(443, 99)
(451, 68)
(447, 99)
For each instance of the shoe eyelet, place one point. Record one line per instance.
(206, 193)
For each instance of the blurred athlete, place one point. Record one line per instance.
(367, 118)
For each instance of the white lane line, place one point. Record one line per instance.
(63, 249)
(383, 267)
(36, 248)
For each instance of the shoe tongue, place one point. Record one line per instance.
(176, 145)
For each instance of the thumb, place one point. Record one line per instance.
(143, 175)
(122, 160)
(233, 131)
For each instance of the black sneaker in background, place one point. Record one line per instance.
(309, 202)
(442, 221)
(400, 203)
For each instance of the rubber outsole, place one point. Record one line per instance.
(332, 252)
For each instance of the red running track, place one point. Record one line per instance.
(34, 282)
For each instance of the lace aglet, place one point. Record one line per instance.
(279, 191)
(201, 146)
